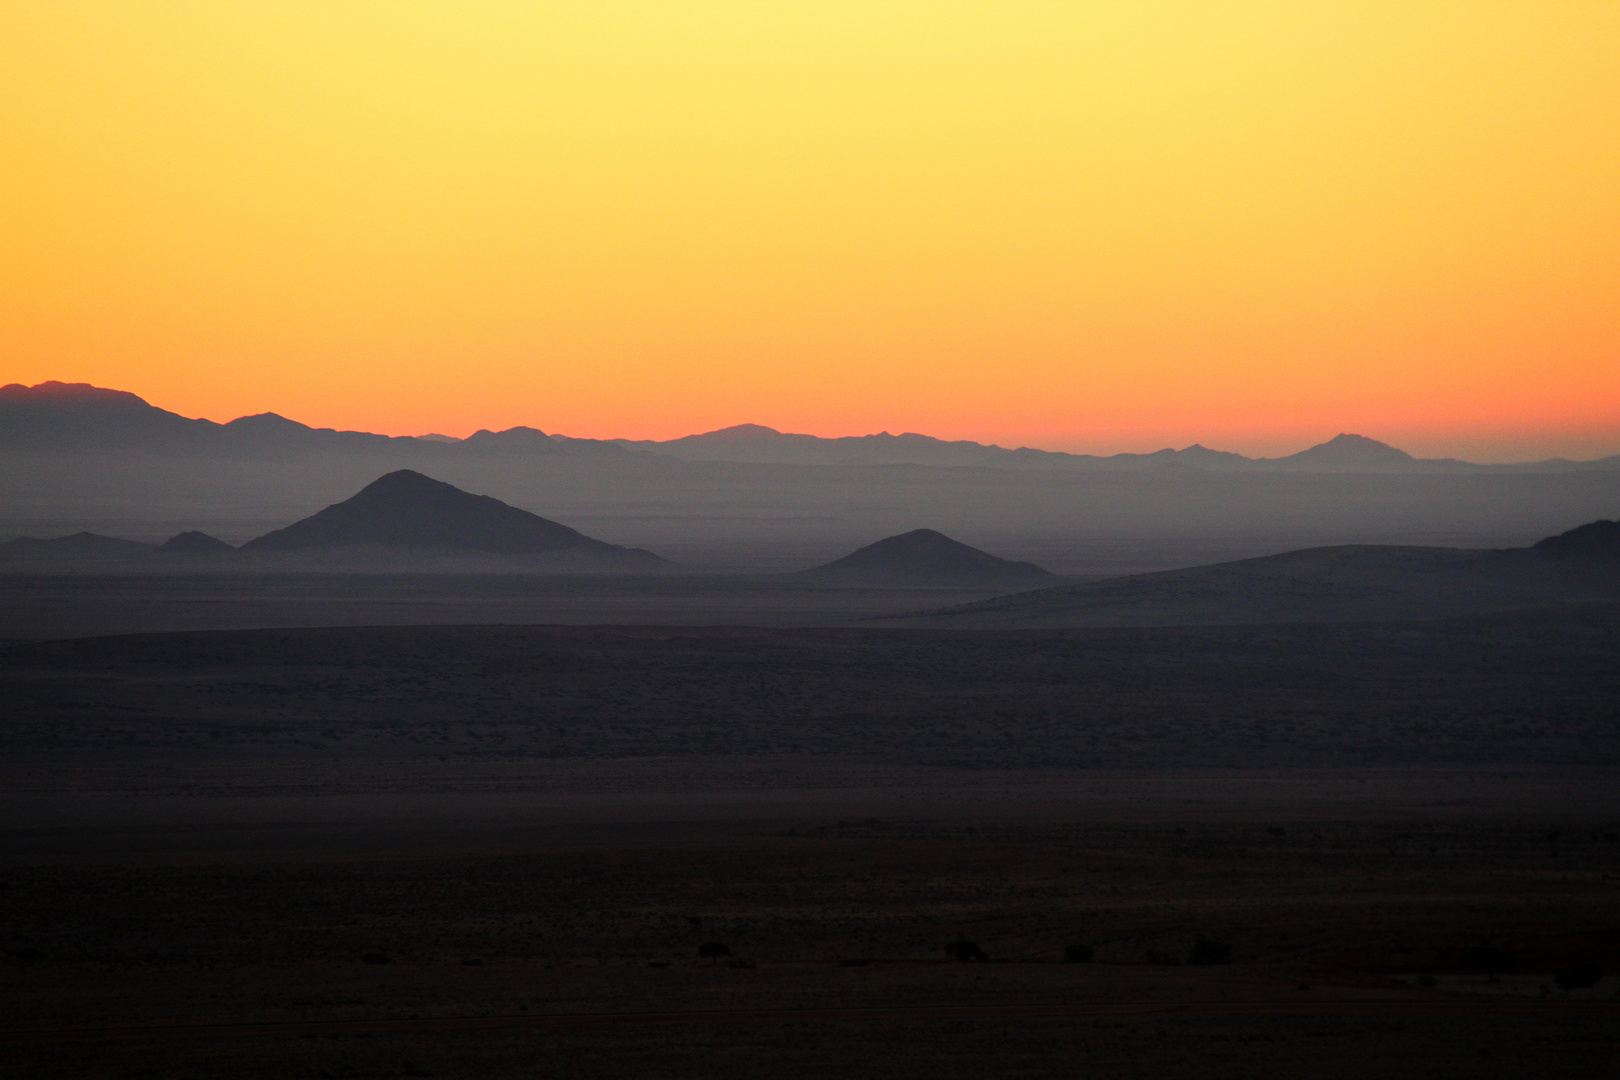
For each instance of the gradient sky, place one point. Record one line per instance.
(1080, 226)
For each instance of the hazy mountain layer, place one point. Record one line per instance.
(78, 546)
(79, 459)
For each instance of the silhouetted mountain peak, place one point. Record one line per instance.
(1594, 540)
(512, 439)
(1348, 450)
(405, 509)
(268, 422)
(927, 557)
(409, 483)
(741, 433)
(80, 394)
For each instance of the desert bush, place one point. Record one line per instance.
(1210, 951)
(1078, 954)
(712, 951)
(964, 950)
(375, 958)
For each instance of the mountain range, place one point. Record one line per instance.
(76, 417)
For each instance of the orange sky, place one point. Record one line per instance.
(1082, 226)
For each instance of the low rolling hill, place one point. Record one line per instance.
(1327, 584)
(925, 558)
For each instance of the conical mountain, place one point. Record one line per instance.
(406, 510)
(924, 557)
(1349, 453)
(195, 543)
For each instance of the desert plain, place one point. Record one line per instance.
(1327, 850)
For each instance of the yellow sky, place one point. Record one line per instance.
(1075, 225)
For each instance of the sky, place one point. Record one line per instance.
(1095, 227)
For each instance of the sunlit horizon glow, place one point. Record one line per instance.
(1099, 227)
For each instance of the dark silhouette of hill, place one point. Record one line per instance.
(924, 557)
(406, 510)
(79, 546)
(1330, 584)
(1352, 453)
(77, 417)
(1595, 540)
(195, 543)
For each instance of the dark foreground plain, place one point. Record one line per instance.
(1540, 686)
(65, 605)
(497, 851)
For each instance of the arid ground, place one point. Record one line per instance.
(1373, 850)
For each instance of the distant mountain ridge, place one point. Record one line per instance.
(77, 417)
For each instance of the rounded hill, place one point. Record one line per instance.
(407, 510)
(924, 557)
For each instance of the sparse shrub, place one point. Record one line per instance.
(1210, 951)
(375, 958)
(1078, 954)
(1578, 976)
(964, 950)
(1427, 981)
(712, 951)
(741, 963)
